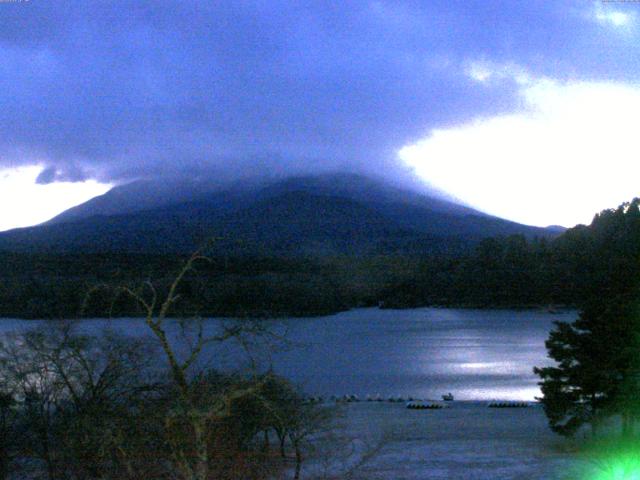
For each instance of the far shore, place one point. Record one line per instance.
(551, 309)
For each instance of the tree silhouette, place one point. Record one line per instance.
(598, 355)
(598, 360)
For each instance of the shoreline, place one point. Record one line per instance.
(550, 309)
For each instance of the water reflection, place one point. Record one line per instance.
(423, 352)
(476, 354)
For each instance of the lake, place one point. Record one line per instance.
(475, 354)
(424, 353)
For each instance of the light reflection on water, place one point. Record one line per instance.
(475, 354)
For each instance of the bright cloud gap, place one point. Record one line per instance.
(33, 203)
(570, 152)
(607, 15)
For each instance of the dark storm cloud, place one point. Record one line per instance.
(127, 89)
(64, 173)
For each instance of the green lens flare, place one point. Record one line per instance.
(618, 468)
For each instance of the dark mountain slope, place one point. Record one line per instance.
(157, 194)
(138, 196)
(327, 215)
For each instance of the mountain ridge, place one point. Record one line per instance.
(312, 215)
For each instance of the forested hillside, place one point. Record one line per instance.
(499, 272)
(582, 263)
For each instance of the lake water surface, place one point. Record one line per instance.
(475, 354)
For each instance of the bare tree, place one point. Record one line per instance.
(97, 407)
(195, 410)
(73, 395)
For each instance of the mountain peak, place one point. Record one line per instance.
(306, 215)
(151, 194)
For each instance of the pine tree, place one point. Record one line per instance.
(597, 364)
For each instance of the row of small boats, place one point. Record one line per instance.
(420, 405)
(410, 402)
(424, 406)
(508, 405)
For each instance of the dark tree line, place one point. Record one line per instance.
(583, 263)
(597, 371)
(499, 272)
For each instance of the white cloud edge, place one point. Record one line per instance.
(485, 72)
(560, 125)
(33, 203)
(606, 14)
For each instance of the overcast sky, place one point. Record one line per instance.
(525, 109)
